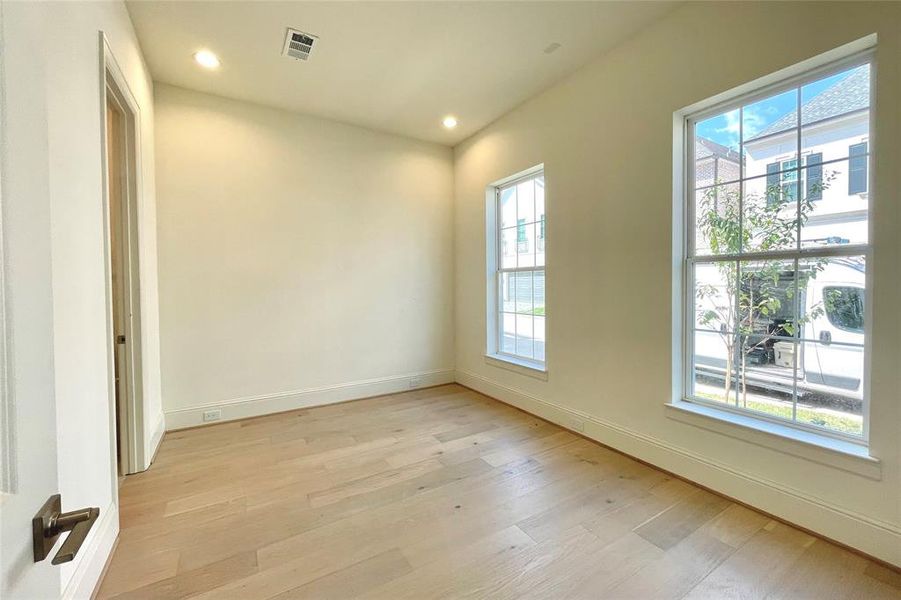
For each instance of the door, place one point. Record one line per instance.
(28, 471)
(835, 350)
(115, 134)
(840, 335)
(123, 282)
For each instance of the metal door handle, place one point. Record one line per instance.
(50, 522)
(826, 337)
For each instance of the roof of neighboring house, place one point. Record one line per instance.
(848, 95)
(705, 148)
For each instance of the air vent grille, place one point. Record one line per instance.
(298, 44)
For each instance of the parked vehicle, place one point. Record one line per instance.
(830, 346)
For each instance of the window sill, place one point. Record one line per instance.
(518, 365)
(823, 449)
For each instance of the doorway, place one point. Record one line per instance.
(121, 187)
(115, 175)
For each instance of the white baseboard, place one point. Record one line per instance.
(877, 538)
(254, 406)
(155, 440)
(92, 558)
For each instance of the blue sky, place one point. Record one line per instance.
(724, 129)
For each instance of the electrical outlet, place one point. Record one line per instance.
(415, 382)
(577, 425)
(211, 415)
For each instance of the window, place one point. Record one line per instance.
(781, 178)
(857, 174)
(516, 304)
(522, 240)
(789, 180)
(774, 283)
(844, 307)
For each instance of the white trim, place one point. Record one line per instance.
(875, 537)
(114, 83)
(8, 461)
(9, 447)
(860, 52)
(801, 254)
(535, 369)
(265, 404)
(821, 65)
(155, 440)
(841, 454)
(495, 270)
(92, 558)
(517, 177)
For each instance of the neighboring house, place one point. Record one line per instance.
(714, 162)
(833, 161)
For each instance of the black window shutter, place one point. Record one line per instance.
(857, 168)
(772, 183)
(814, 185)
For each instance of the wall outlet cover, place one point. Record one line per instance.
(211, 415)
(415, 382)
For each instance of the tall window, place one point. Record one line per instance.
(776, 257)
(517, 330)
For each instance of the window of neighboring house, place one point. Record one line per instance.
(781, 181)
(857, 172)
(522, 240)
(517, 313)
(789, 180)
(774, 308)
(781, 178)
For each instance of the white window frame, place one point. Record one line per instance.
(494, 247)
(683, 338)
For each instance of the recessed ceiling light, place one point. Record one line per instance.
(450, 122)
(206, 59)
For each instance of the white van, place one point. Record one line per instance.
(831, 345)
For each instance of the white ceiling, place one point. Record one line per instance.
(392, 66)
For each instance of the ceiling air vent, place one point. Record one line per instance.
(298, 44)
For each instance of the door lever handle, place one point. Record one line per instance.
(50, 522)
(78, 523)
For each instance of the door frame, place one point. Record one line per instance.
(7, 405)
(130, 416)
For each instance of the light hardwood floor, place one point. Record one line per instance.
(445, 493)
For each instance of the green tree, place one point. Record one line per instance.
(742, 309)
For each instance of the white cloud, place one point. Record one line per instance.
(755, 120)
(731, 130)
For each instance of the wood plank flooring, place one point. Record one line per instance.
(445, 493)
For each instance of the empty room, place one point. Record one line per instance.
(450, 299)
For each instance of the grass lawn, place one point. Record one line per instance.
(813, 416)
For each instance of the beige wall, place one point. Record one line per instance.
(301, 260)
(605, 136)
(63, 144)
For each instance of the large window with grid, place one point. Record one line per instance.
(777, 249)
(517, 328)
